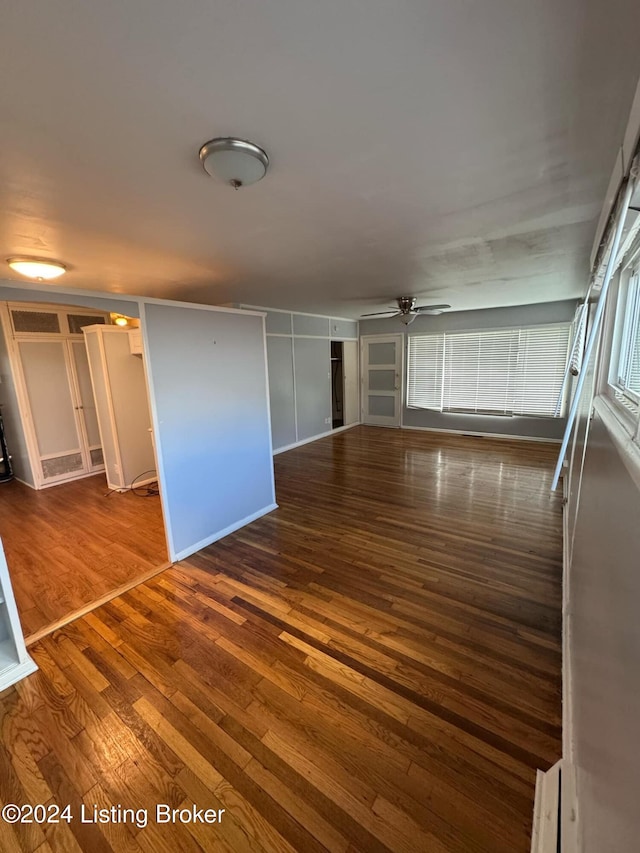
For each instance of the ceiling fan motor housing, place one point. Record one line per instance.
(406, 303)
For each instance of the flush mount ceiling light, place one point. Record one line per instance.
(234, 161)
(37, 268)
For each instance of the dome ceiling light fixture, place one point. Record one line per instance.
(39, 269)
(237, 162)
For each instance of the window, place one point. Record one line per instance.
(628, 380)
(503, 372)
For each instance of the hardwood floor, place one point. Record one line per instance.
(374, 666)
(69, 545)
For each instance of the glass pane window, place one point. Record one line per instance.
(629, 361)
(502, 372)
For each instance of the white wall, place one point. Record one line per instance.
(459, 321)
(210, 411)
(601, 623)
(605, 649)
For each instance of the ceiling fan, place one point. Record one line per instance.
(407, 310)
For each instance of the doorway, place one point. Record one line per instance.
(71, 540)
(337, 385)
(381, 360)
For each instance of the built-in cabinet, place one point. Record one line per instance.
(15, 662)
(53, 389)
(122, 406)
(302, 375)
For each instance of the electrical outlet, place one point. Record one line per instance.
(327, 420)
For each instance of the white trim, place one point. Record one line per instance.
(122, 489)
(628, 450)
(155, 435)
(299, 313)
(70, 478)
(315, 337)
(268, 399)
(24, 483)
(121, 297)
(182, 555)
(295, 389)
(315, 438)
(109, 401)
(505, 435)
(555, 803)
(544, 831)
(17, 673)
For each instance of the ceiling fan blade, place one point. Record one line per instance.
(422, 308)
(382, 314)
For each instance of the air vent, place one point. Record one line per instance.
(43, 322)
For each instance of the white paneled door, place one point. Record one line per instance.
(381, 378)
(60, 408)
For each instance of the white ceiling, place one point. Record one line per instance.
(454, 150)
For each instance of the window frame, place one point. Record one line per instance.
(621, 402)
(486, 413)
(629, 319)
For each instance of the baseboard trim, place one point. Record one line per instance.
(504, 436)
(93, 605)
(24, 483)
(315, 438)
(122, 489)
(220, 534)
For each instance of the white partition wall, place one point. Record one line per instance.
(210, 410)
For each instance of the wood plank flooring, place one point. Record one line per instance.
(374, 666)
(69, 545)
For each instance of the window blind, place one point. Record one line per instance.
(478, 371)
(503, 372)
(629, 379)
(424, 372)
(580, 327)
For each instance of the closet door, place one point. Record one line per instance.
(55, 420)
(86, 405)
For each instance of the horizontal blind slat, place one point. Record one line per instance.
(504, 372)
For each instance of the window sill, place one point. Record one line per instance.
(621, 430)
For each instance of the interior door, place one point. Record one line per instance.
(381, 360)
(52, 406)
(86, 405)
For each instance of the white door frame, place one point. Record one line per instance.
(398, 393)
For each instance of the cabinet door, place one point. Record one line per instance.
(281, 393)
(86, 405)
(313, 386)
(54, 418)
